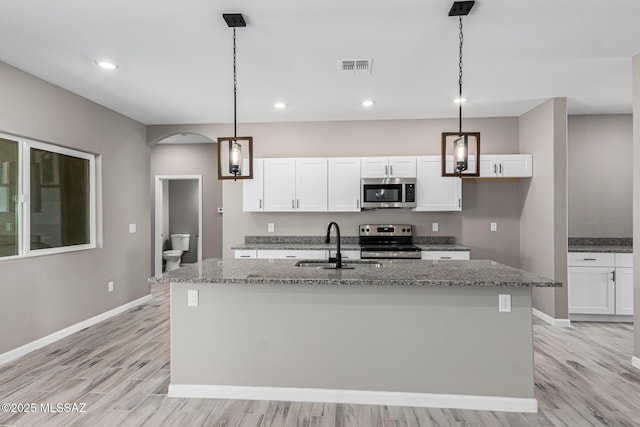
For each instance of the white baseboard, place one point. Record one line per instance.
(41, 342)
(562, 323)
(357, 397)
(635, 362)
(609, 318)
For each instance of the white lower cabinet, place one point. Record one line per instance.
(347, 255)
(291, 254)
(445, 255)
(245, 253)
(600, 283)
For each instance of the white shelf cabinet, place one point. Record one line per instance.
(295, 185)
(344, 184)
(506, 166)
(436, 192)
(600, 283)
(388, 167)
(245, 253)
(253, 189)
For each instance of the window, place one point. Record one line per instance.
(47, 198)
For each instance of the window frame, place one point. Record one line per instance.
(23, 202)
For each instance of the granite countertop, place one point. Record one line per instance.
(347, 243)
(392, 272)
(601, 244)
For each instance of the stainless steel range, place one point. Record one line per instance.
(387, 241)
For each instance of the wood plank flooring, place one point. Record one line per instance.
(120, 370)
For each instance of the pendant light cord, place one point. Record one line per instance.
(460, 78)
(235, 84)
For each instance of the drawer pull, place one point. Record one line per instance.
(245, 256)
(290, 256)
(445, 257)
(589, 259)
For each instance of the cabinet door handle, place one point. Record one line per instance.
(588, 259)
(293, 204)
(386, 170)
(501, 168)
(357, 203)
(260, 204)
(613, 275)
(391, 170)
(459, 202)
(495, 168)
(297, 203)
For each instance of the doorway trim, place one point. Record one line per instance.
(157, 255)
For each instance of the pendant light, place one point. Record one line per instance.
(235, 154)
(458, 143)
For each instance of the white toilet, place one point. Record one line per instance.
(179, 244)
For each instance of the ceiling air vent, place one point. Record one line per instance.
(356, 65)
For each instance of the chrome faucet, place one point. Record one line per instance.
(327, 240)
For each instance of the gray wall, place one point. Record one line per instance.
(41, 295)
(483, 200)
(543, 220)
(183, 215)
(193, 159)
(636, 200)
(600, 170)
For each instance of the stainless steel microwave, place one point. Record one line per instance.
(388, 193)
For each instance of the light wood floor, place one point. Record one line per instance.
(120, 370)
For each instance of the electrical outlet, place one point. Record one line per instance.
(434, 226)
(504, 303)
(192, 298)
(494, 226)
(132, 228)
(271, 227)
(110, 286)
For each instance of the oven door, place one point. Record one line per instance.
(381, 193)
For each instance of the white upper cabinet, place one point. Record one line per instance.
(344, 184)
(295, 185)
(435, 192)
(311, 185)
(506, 166)
(388, 167)
(279, 185)
(253, 189)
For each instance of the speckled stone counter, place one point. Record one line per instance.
(290, 246)
(454, 273)
(601, 244)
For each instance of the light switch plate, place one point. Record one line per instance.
(494, 226)
(110, 286)
(504, 303)
(434, 226)
(271, 227)
(192, 298)
(132, 228)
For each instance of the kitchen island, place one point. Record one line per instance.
(409, 333)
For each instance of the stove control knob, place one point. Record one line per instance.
(408, 229)
(403, 230)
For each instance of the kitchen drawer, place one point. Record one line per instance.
(444, 255)
(590, 259)
(246, 253)
(624, 260)
(291, 254)
(347, 254)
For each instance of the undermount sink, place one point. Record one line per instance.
(351, 264)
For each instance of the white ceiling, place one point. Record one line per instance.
(175, 56)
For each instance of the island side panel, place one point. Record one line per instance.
(420, 339)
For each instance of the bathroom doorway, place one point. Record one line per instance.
(178, 210)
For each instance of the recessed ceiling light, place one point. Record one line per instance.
(106, 65)
(280, 105)
(367, 103)
(460, 100)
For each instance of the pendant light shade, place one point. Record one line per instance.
(235, 153)
(460, 150)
